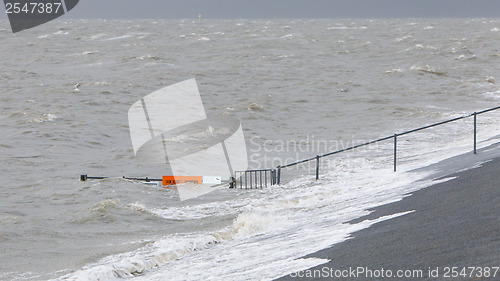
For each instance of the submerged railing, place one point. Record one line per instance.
(251, 179)
(255, 178)
(394, 137)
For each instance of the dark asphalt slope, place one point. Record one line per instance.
(455, 224)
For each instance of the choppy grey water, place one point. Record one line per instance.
(299, 87)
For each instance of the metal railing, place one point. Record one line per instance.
(317, 158)
(255, 178)
(267, 177)
(146, 179)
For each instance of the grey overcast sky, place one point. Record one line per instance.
(285, 8)
(129, 9)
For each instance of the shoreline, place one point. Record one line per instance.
(453, 224)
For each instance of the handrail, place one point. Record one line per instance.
(395, 136)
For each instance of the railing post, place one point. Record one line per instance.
(279, 175)
(395, 150)
(317, 167)
(475, 132)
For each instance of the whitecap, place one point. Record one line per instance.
(137, 207)
(337, 28)
(152, 256)
(105, 204)
(394, 70)
(61, 32)
(119, 37)
(492, 95)
(255, 107)
(97, 36)
(428, 69)
(89, 52)
(427, 47)
(100, 83)
(399, 39)
(9, 219)
(44, 118)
